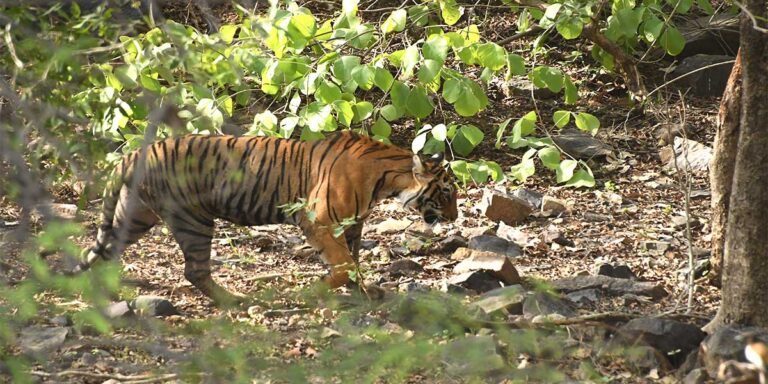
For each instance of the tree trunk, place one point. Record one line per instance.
(721, 169)
(745, 257)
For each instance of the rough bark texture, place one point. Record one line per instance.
(745, 261)
(723, 162)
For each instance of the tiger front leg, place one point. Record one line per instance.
(334, 252)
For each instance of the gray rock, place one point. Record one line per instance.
(38, 341)
(655, 247)
(551, 206)
(153, 306)
(584, 297)
(596, 217)
(697, 376)
(701, 267)
(392, 225)
(368, 244)
(497, 265)
(61, 321)
(701, 81)
(673, 338)
(413, 287)
(618, 271)
(581, 145)
(119, 309)
(452, 243)
(472, 355)
(490, 243)
(727, 343)
(686, 154)
(535, 199)
(404, 267)
(508, 298)
(609, 285)
(544, 303)
(478, 281)
(523, 87)
(510, 233)
(555, 236)
(456, 289)
(499, 206)
(711, 35)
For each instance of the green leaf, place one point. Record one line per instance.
(587, 122)
(561, 118)
(429, 70)
(497, 174)
(492, 56)
(652, 27)
(500, 132)
(409, 61)
(363, 110)
(582, 178)
(571, 93)
(382, 79)
(344, 112)
(570, 28)
(552, 11)
(381, 128)
(302, 27)
(515, 65)
(318, 117)
(227, 33)
(564, 171)
(439, 132)
(399, 95)
(459, 168)
(212, 116)
(395, 22)
(343, 67)
(547, 77)
(450, 12)
(521, 172)
(390, 112)
(672, 41)
(550, 157)
(466, 139)
(287, 125)
(363, 76)
(150, 83)
(127, 75)
(435, 48)
(419, 15)
(419, 104)
(706, 6)
(327, 92)
(418, 143)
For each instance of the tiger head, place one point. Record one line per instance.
(434, 194)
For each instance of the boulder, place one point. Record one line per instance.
(452, 243)
(477, 281)
(580, 145)
(535, 199)
(404, 267)
(544, 303)
(712, 35)
(498, 266)
(703, 75)
(609, 285)
(673, 338)
(508, 298)
(153, 306)
(500, 206)
(38, 341)
(490, 243)
(620, 271)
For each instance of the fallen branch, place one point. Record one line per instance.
(148, 378)
(280, 275)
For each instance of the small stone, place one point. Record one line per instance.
(497, 265)
(65, 211)
(655, 247)
(412, 287)
(581, 145)
(618, 271)
(673, 338)
(415, 244)
(326, 313)
(511, 210)
(478, 281)
(327, 333)
(61, 321)
(37, 340)
(512, 234)
(490, 243)
(458, 289)
(392, 225)
(534, 198)
(543, 303)
(595, 217)
(508, 298)
(583, 297)
(400, 251)
(686, 154)
(452, 243)
(404, 267)
(555, 236)
(697, 376)
(117, 310)
(551, 206)
(368, 245)
(609, 285)
(152, 306)
(472, 355)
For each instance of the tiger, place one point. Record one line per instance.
(189, 181)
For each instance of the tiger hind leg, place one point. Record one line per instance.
(195, 242)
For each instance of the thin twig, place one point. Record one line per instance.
(116, 376)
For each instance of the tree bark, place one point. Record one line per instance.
(723, 162)
(745, 257)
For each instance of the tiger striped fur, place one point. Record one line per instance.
(192, 180)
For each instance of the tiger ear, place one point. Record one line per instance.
(419, 170)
